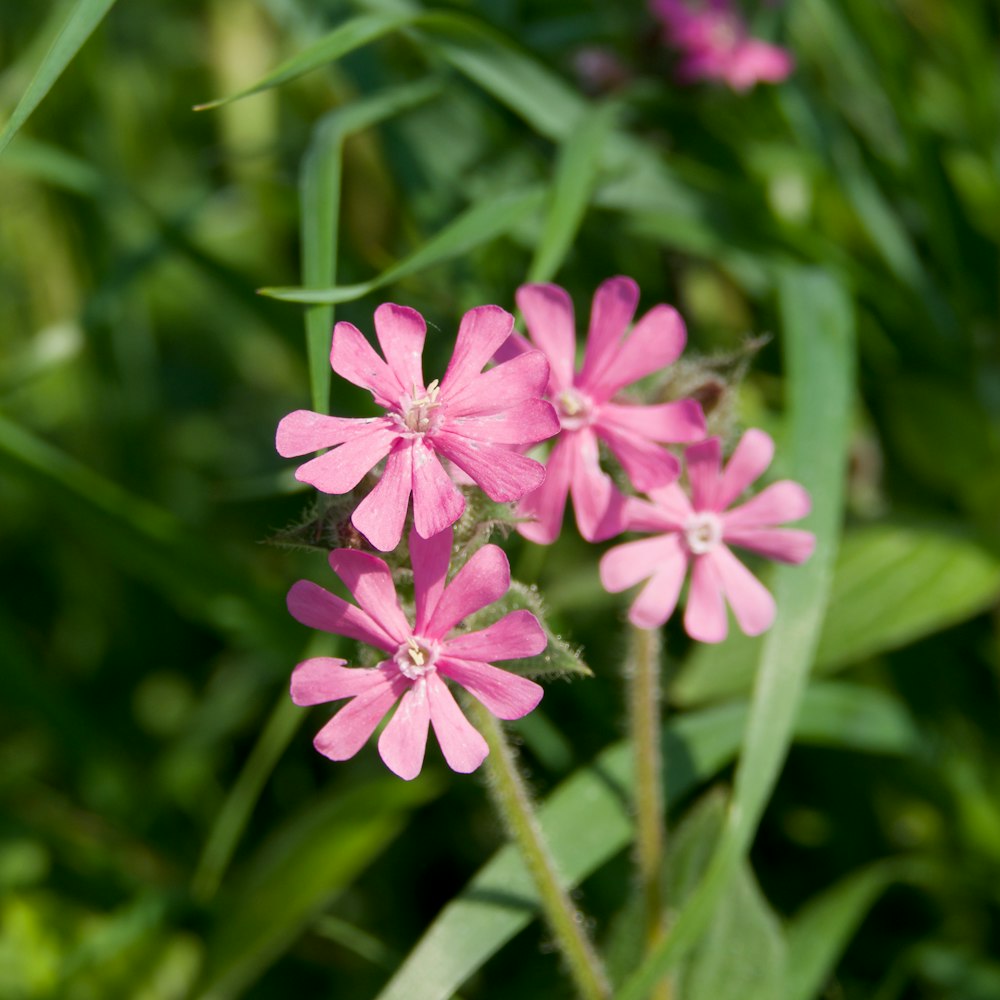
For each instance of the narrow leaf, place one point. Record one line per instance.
(76, 27)
(338, 43)
(475, 227)
(576, 174)
(821, 930)
(319, 195)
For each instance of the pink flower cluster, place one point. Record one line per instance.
(714, 44)
(474, 421)
(476, 425)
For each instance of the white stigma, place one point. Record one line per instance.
(415, 658)
(703, 532)
(418, 413)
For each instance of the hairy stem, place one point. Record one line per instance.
(512, 801)
(644, 728)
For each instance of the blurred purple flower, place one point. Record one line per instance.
(714, 44)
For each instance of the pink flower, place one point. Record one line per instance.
(714, 44)
(697, 533)
(419, 657)
(589, 412)
(470, 418)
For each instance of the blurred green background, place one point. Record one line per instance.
(166, 830)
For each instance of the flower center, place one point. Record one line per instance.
(703, 532)
(416, 657)
(418, 412)
(575, 409)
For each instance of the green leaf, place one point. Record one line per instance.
(588, 819)
(818, 338)
(338, 43)
(299, 872)
(319, 195)
(894, 584)
(71, 29)
(576, 174)
(743, 953)
(821, 930)
(475, 227)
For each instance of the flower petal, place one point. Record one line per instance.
(311, 605)
(597, 502)
(485, 578)
(437, 501)
(304, 431)
(656, 342)
(461, 743)
(480, 335)
(370, 583)
(506, 695)
(348, 731)
(788, 545)
(779, 502)
(610, 314)
(342, 468)
(502, 474)
(658, 599)
(514, 636)
(670, 423)
(548, 315)
(703, 461)
(646, 463)
(528, 422)
(670, 510)
(514, 346)
(523, 377)
(401, 332)
(626, 565)
(380, 516)
(430, 558)
(404, 739)
(353, 358)
(327, 678)
(748, 462)
(705, 614)
(750, 600)
(546, 505)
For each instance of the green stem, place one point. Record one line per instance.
(510, 796)
(644, 727)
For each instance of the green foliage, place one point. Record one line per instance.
(166, 829)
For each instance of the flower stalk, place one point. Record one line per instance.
(644, 728)
(512, 801)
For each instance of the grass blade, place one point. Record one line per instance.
(319, 193)
(338, 43)
(76, 27)
(575, 177)
(475, 227)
